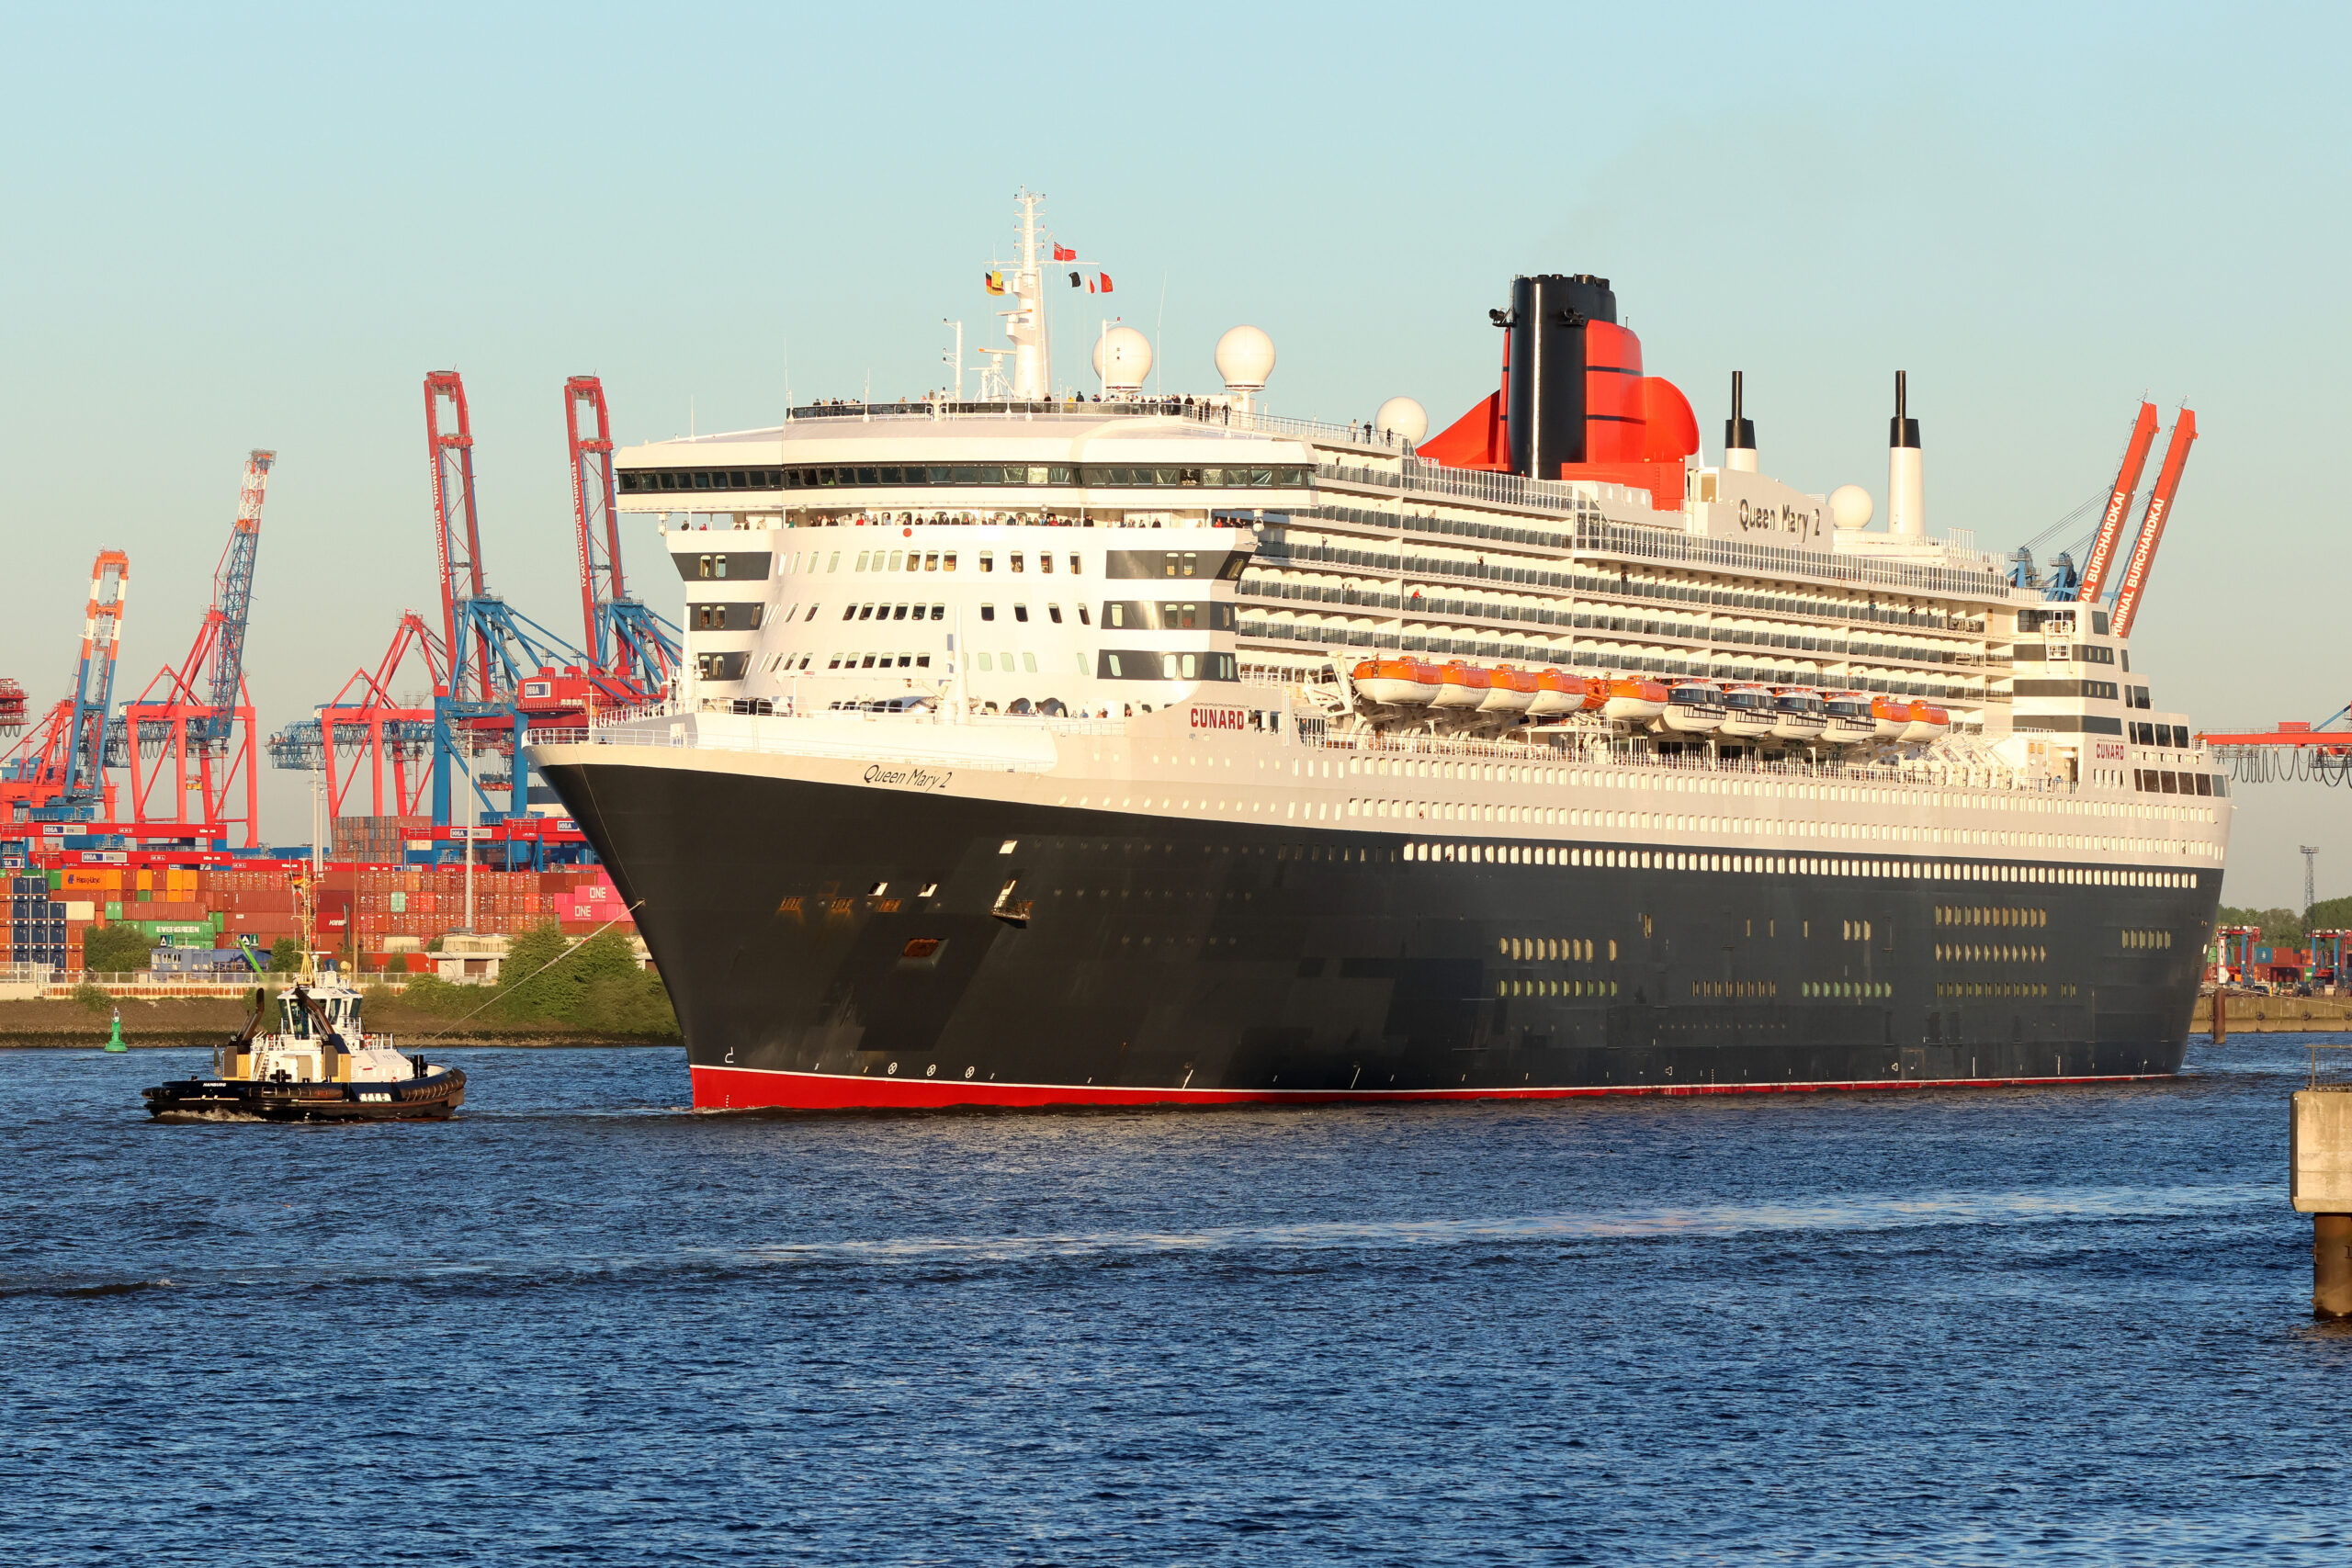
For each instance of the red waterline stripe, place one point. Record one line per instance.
(756, 1089)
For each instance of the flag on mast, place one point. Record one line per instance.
(995, 281)
(1098, 284)
(1063, 253)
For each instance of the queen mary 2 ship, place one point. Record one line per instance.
(1129, 749)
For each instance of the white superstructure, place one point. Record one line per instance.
(1054, 560)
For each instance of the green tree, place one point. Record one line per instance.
(2278, 926)
(93, 997)
(596, 983)
(285, 956)
(115, 950)
(431, 994)
(2330, 915)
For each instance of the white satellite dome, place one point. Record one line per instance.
(1850, 507)
(1245, 357)
(1403, 418)
(1123, 358)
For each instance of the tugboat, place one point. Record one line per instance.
(318, 1067)
(321, 1066)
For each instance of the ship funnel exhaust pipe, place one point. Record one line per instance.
(1907, 501)
(1739, 432)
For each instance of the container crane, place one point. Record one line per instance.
(492, 650)
(200, 714)
(58, 772)
(2119, 506)
(633, 651)
(2152, 522)
(12, 708)
(367, 723)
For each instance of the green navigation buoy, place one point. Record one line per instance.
(114, 1041)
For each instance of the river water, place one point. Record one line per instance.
(580, 1325)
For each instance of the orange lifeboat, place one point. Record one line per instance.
(1928, 722)
(1893, 716)
(1555, 693)
(1399, 683)
(1510, 690)
(1596, 694)
(1461, 685)
(1633, 699)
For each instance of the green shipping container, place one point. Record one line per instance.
(161, 930)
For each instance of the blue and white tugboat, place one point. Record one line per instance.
(320, 1066)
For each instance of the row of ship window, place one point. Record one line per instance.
(1109, 664)
(1585, 583)
(1162, 615)
(2000, 990)
(2163, 781)
(1583, 659)
(1789, 866)
(751, 566)
(1998, 915)
(1739, 557)
(836, 476)
(1553, 949)
(1978, 952)
(1416, 604)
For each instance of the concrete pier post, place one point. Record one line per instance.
(2221, 1022)
(2319, 1152)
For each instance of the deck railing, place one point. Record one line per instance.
(1309, 723)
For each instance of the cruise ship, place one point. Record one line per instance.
(1113, 746)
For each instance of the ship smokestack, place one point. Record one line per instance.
(1906, 502)
(1739, 432)
(1544, 410)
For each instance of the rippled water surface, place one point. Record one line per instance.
(579, 1325)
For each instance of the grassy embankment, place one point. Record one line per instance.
(593, 995)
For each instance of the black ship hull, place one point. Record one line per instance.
(838, 946)
(429, 1099)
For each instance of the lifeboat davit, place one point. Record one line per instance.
(1631, 699)
(1748, 711)
(1693, 707)
(1400, 682)
(1892, 716)
(1928, 722)
(1596, 694)
(1510, 690)
(1555, 693)
(1798, 714)
(1850, 723)
(1461, 685)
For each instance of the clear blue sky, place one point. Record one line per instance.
(239, 227)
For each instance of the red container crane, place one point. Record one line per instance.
(199, 715)
(2119, 506)
(625, 641)
(2152, 524)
